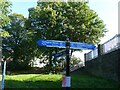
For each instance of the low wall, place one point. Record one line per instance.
(106, 65)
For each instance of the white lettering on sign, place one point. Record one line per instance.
(62, 44)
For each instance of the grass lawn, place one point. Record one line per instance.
(54, 81)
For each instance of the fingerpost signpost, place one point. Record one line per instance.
(68, 45)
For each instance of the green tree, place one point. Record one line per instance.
(75, 60)
(59, 20)
(4, 12)
(17, 47)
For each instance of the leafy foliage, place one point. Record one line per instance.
(17, 45)
(60, 20)
(49, 21)
(4, 19)
(75, 60)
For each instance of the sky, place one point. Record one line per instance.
(107, 10)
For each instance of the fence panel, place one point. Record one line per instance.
(88, 56)
(92, 54)
(108, 46)
(111, 44)
(95, 53)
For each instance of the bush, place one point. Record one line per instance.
(14, 66)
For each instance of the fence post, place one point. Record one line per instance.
(118, 41)
(85, 58)
(100, 52)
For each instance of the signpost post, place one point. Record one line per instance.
(68, 83)
(62, 44)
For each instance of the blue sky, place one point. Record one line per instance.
(107, 10)
(22, 7)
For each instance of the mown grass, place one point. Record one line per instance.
(54, 81)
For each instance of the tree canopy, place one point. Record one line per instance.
(4, 12)
(49, 21)
(60, 20)
(17, 46)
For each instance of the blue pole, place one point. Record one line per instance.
(3, 75)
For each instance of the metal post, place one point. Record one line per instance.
(100, 50)
(100, 57)
(85, 58)
(67, 59)
(67, 64)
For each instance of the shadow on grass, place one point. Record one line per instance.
(90, 81)
(13, 84)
